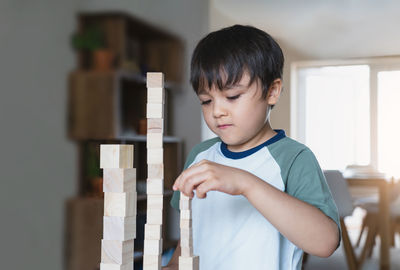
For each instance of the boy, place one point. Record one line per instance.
(259, 197)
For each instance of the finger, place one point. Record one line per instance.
(192, 182)
(197, 168)
(175, 186)
(204, 187)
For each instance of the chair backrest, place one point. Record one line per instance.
(340, 192)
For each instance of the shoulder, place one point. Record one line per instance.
(288, 149)
(199, 148)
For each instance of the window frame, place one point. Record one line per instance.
(376, 65)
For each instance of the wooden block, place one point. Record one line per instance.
(186, 238)
(116, 252)
(154, 216)
(155, 125)
(183, 197)
(186, 214)
(187, 251)
(185, 204)
(120, 204)
(119, 180)
(155, 201)
(152, 231)
(155, 110)
(156, 95)
(155, 186)
(185, 223)
(151, 262)
(116, 156)
(155, 156)
(152, 247)
(154, 140)
(119, 228)
(189, 263)
(155, 79)
(155, 171)
(110, 266)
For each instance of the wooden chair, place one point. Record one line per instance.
(341, 196)
(370, 221)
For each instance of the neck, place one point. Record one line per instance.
(262, 136)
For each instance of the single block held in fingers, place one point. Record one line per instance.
(154, 79)
(119, 180)
(119, 228)
(183, 197)
(116, 156)
(120, 204)
(117, 252)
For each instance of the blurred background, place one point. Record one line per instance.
(73, 77)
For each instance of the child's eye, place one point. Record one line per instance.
(234, 97)
(205, 102)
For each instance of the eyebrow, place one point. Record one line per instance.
(204, 92)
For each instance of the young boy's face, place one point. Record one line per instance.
(238, 115)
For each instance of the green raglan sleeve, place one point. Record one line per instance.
(306, 182)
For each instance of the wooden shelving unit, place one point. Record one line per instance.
(109, 107)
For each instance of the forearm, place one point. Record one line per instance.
(303, 224)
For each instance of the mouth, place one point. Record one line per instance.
(224, 126)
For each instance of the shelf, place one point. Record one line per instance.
(125, 74)
(109, 107)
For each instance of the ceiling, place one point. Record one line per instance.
(323, 29)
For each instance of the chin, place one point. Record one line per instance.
(230, 141)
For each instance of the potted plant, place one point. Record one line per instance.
(91, 43)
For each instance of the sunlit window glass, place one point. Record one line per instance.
(388, 122)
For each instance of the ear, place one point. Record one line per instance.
(274, 92)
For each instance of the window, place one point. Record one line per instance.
(346, 112)
(388, 122)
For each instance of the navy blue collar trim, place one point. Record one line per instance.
(237, 155)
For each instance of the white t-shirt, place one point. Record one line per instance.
(228, 232)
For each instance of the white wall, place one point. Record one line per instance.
(38, 163)
(280, 115)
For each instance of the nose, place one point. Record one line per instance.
(219, 109)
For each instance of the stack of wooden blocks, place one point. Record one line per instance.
(119, 227)
(187, 261)
(155, 177)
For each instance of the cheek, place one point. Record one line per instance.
(206, 114)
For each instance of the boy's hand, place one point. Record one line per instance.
(206, 175)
